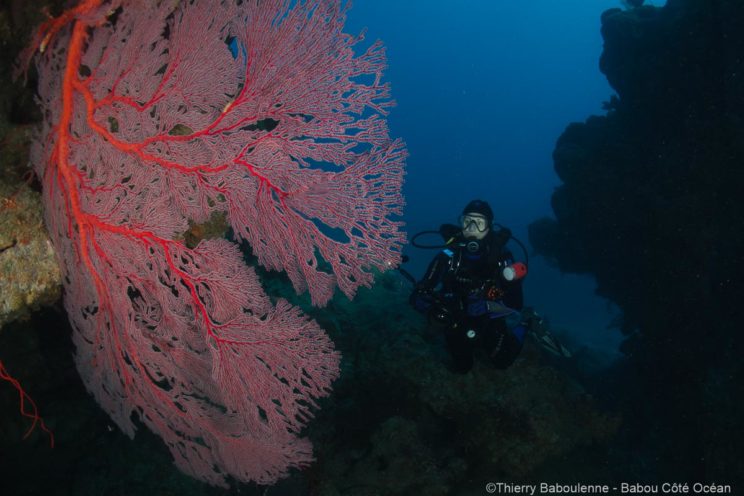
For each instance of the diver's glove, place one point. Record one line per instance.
(477, 306)
(421, 299)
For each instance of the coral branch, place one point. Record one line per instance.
(24, 399)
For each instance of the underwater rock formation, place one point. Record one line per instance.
(29, 275)
(403, 423)
(651, 205)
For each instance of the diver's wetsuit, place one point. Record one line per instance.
(457, 281)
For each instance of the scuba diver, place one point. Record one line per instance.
(472, 286)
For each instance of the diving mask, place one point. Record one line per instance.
(471, 222)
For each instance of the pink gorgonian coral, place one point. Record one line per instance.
(159, 115)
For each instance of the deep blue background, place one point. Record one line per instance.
(484, 88)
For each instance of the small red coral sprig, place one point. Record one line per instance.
(25, 400)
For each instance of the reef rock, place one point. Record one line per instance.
(29, 275)
(651, 205)
(403, 423)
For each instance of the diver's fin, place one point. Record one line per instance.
(540, 331)
(550, 343)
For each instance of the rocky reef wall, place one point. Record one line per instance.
(651, 204)
(29, 275)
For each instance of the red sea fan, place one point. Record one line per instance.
(161, 114)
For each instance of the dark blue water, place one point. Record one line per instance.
(484, 89)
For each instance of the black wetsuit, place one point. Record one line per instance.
(462, 292)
